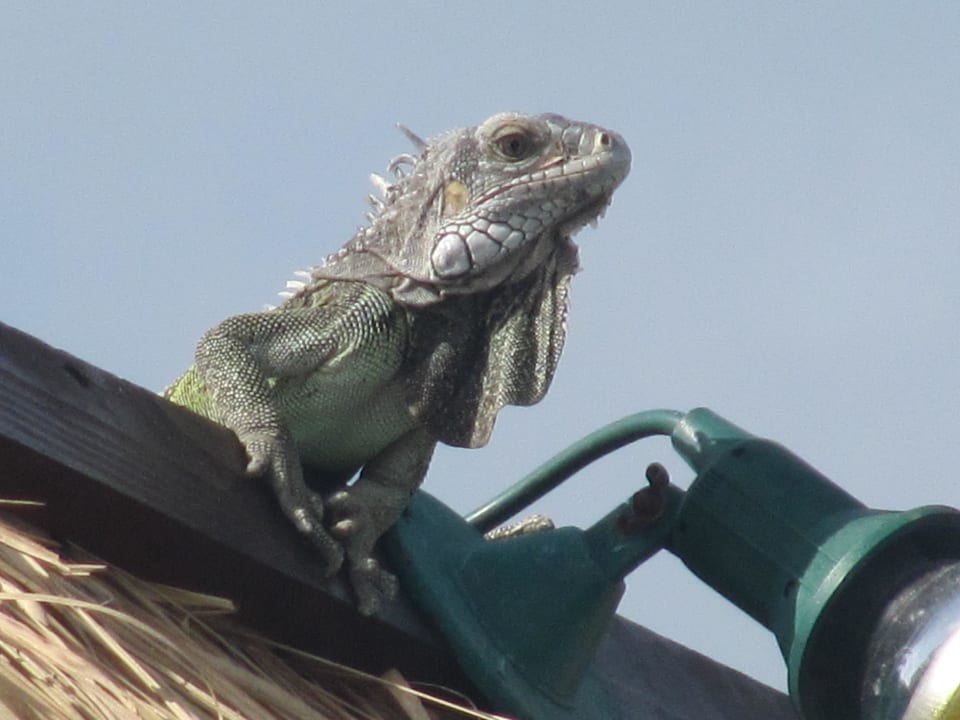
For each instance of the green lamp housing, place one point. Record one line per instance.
(865, 604)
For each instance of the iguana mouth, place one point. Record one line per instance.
(547, 175)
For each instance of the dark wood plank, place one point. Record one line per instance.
(654, 678)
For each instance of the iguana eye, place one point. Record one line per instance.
(513, 143)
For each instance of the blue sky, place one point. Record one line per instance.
(786, 250)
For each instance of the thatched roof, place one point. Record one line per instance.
(80, 640)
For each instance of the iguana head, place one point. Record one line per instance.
(483, 207)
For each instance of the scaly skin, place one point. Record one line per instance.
(448, 306)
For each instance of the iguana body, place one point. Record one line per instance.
(448, 306)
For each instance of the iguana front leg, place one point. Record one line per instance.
(238, 361)
(360, 514)
(319, 381)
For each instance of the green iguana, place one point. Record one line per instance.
(449, 305)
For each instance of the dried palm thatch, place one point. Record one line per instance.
(82, 641)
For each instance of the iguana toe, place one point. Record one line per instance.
(372, 584)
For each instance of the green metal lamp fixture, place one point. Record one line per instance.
(865, 604)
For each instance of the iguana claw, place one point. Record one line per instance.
(354, 528)
(372, 584)
(271, 456)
